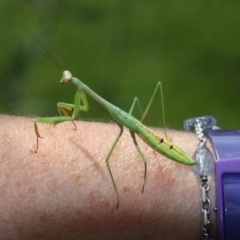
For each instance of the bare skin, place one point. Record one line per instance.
(65, 192)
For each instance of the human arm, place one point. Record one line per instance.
(65, 192)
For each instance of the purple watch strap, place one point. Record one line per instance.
(226, 145)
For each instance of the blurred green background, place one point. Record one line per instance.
(121, 49)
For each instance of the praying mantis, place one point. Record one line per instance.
(123, 119)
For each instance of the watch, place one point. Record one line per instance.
(226, 146)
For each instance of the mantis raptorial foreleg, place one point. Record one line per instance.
(75, 108)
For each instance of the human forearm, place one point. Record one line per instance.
(64, 191)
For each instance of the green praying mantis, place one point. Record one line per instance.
(123, 119)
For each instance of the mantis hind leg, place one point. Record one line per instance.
(143, 158)
(144, 115)
(135, 101)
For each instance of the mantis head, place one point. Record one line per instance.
(67, 77)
